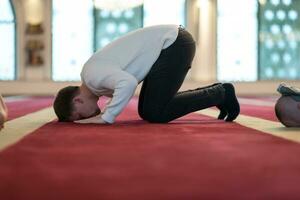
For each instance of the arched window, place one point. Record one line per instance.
(7, 41)
(258, 40)
(72, 37)
(78, 28)
(110, 25)
(237, 40)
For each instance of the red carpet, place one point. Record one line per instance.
(263, 112)
(195, 157)
(22, 107)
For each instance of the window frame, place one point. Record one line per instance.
(14, 21)
(51, 45)
(95, 22)
(259, 66)
(185, 14)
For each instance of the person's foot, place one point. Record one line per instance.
(231, 106)
(223, 112)
(3, 112)
(2, 120)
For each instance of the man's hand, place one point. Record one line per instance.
(93, 120)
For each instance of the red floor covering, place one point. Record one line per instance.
(195, 157)
(22, 107)
(264, 112)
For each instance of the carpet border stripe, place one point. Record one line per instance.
(262, 125)
(14, 130)
(256, 102)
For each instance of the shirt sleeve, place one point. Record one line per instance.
(123, 84)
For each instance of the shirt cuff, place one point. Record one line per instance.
(107, 117)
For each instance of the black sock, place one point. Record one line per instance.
(223, 112)
(231, 103)
(221, 107)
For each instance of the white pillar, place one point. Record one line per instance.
(205, 59)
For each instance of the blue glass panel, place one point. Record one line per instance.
(113, 24)
(279, 39)
(73, 30)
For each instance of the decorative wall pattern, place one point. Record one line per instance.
(279, 39)
(258, 40)
(110, 25)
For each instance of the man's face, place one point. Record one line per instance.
(84, 108)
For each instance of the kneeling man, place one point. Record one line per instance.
(160, 57)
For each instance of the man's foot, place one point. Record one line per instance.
(223, 112)
(231, 105)
(3, 112)
(2, 119)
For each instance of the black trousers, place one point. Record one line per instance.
(159, 100)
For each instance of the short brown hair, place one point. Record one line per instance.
(63, 105)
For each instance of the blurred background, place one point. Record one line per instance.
(253, 43)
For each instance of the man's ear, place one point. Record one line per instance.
(77, 100)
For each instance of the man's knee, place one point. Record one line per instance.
(153, 117)
(158, 119)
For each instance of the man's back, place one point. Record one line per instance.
(134, 53)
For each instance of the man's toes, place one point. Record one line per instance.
(232, 116)
(231, 103)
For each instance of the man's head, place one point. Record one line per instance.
(72, 104)
(287, 110)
